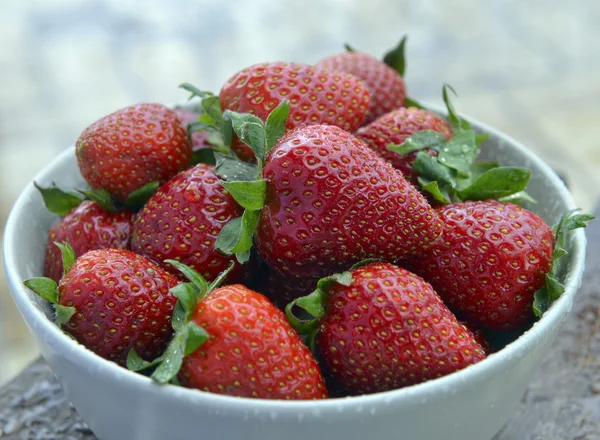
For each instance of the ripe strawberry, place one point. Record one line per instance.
(331, 201)
(386, 86)
(182, 220)
(199, 138)
(316, 96)
(132, 147)
(478, 336)
(395, 127)
(86, 227)
(491, 259)
(112, 300)
(381, 327)
(236, 342)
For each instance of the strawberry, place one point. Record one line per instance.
(386, 86)
(182, 220)
(233, 341)
(395, 127)
(331, 201)
(132, 147)
(85, 224)
(112, 300)
(378, 327)
(478, 335)
(199, 138)
(316, 96)
(489, 263)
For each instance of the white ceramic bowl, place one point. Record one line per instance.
(472, 404)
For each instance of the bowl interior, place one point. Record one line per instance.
(29, 222)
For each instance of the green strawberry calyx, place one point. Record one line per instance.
(554, 286)
(189, 336)
(244, 181)
(211, 119)
(47, 288)
(453, 175)
(396, 58)
(60, 202)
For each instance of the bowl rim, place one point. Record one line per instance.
(81, 355)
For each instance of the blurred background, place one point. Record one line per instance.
(530, 68)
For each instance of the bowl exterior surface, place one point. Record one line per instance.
(469, 405)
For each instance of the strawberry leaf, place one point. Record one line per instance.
(459, 152)
(250, 195)
(275, 124)
(196, 279)
(432, 187)
(455, 121)
(136, 363)
(179, 316)
(496, 183)
(518, 198)
(212, 107)
(203, 155)
(68, 256)
(140, 196)
(251, 131)
(395, 58)
(554, 286)
(58, 201)
(63, 314)
(195, 91)
(349, 48)
(101, 196)
(430, 168)
(187, 294)
(236, 236)
(220, 278)
(419, 141)
(196, 336)
(233, 169)
(314, 304)
(46, 288)
(408, 102)
(172, 359)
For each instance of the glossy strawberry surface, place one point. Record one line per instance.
(386, 86)
(122, 301)
(490, 260)
(252, 350)
(132, 147)
(86, 227)
(395, 127)
(316, 96)
(331, 201)
(182, 221)
(389, 329)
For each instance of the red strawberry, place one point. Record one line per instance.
(331, 201)
(381, 327)
(131, 147)
(199, 138)
(316, 96)
(252, 350)
(395, 127)
(386, 86)
(233, 341)
(182, 220)
(491, 259)
(86, 227)
(112, 300)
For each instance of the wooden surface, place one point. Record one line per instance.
(562, 403)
